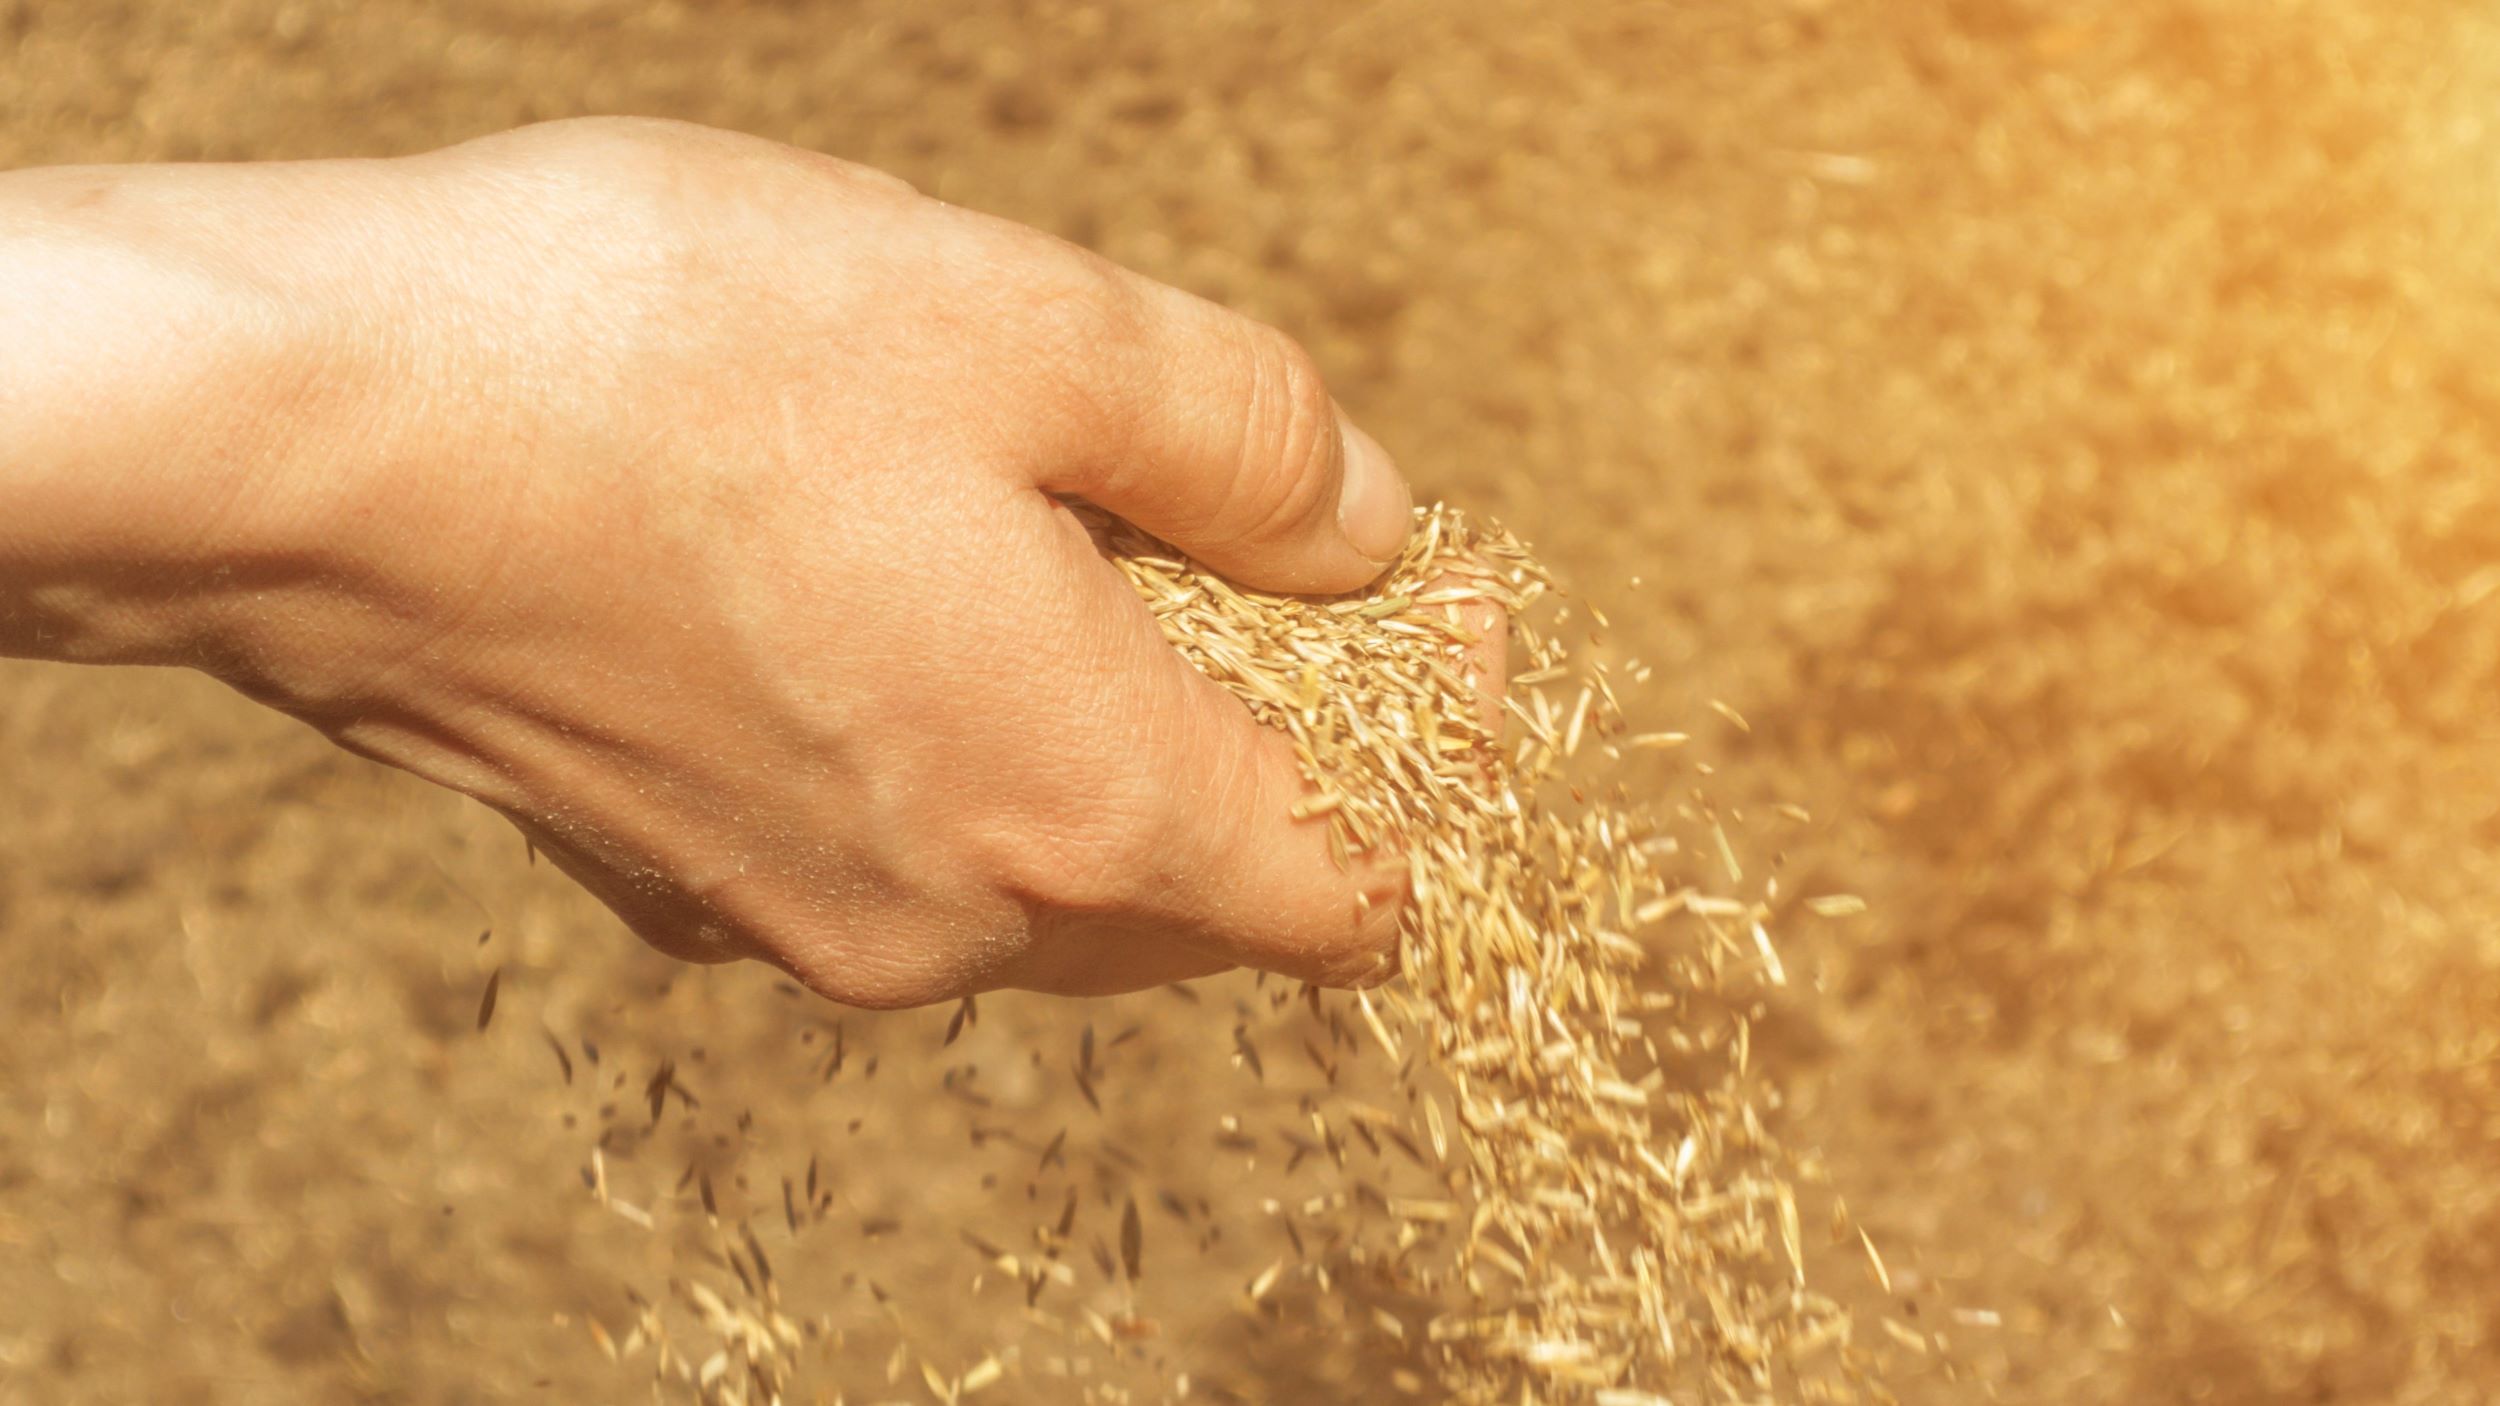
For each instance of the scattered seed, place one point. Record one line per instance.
(564, 1061)
(1537, 1145)
(1132, 1240)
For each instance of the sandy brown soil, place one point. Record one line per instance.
(2066, 433)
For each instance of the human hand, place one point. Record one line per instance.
(689, 500)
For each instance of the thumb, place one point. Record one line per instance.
(1216, 434)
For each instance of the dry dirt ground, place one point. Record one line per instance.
(2066, 433)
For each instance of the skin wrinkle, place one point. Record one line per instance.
(1286, 418)
(1080, 361)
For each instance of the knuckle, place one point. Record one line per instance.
(1071, 309)
(1071, 324)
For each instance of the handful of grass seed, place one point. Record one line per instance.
(1577, 1201)
(1604, 1217)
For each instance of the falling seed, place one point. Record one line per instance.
(1265, 1281)
(1776, 973)
(564, 1062)
(1883, 1276)
(1792, 1239)
(1521, 992)
(1312, 807)
(486, 1003)
(1595, 1225)
(1132, 1240)
(755, 1252)
(1727, 852)
(655, 1092)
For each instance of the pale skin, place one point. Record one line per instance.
(694, 502)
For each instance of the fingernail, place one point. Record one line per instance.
(1374, 509)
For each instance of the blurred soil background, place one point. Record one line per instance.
(2066, 433)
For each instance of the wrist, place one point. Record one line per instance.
(177, 397)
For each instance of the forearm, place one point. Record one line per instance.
(163, 388)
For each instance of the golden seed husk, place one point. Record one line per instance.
(1536, 1157)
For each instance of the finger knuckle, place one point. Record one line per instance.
(1071, 309)
(1069, 324)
